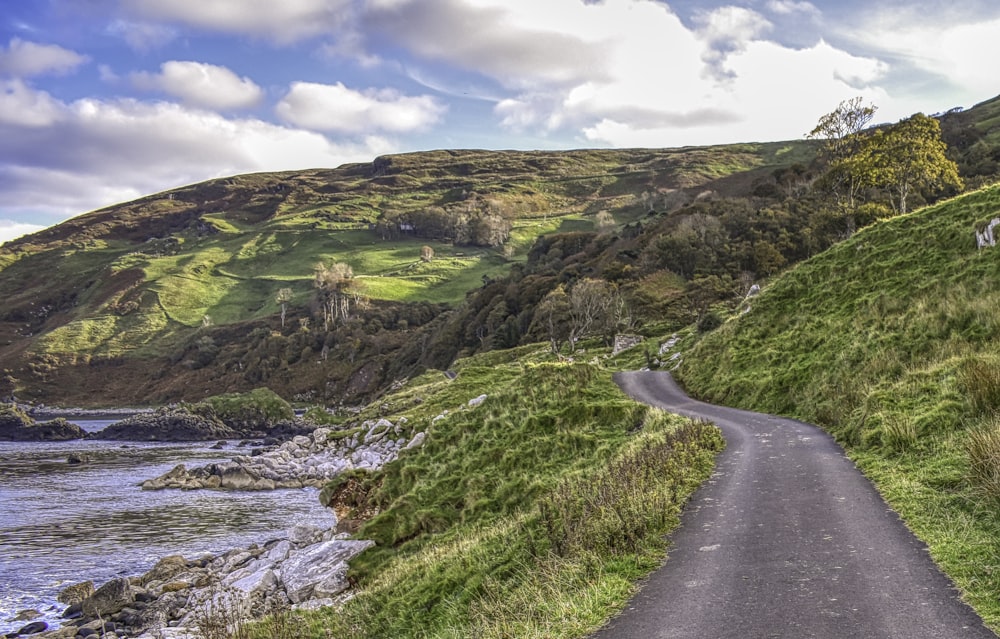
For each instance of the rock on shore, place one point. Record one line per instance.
(178, 596)
(303, 461)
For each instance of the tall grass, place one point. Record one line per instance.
(615, 510)
(980, 379)
(983, 448)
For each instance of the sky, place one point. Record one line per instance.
(104, 101)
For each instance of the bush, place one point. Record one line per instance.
(709, 322)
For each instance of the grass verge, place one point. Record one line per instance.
(890, 341)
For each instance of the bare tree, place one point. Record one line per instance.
(590, 303)
(283, 297)
(333, 281)
(604, 222)
(841, 128)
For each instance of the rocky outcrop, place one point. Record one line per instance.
(306, 567)
(303, 461)
(170, 424)
(625, 342)
(16, 425)
(985, 238)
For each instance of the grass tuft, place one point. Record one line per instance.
(983, 448)
(980, 379)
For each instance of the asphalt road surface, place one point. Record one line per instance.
(786, 539)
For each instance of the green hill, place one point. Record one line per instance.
(890, 341)
(174, 295)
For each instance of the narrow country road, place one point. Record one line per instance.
(786, 539)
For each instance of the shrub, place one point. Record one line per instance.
(709, 322)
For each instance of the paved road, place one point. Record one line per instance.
(786, 539)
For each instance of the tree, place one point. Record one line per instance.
(604, 222)
(909, 156)
(590, 304)
(552, 314)
(841, 125)
(842, 129)
(332, 283)
(283, 297)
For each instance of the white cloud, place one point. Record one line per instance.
(759, 99)
(11, 230)
(143, 36)
(334, 107)
(727, 30)
(88, 153)
(630, 72)
(791, 7)
(283, 21)
(523, 45)
(22, 106)
(201, 85)
(23, 59)
(955, 53)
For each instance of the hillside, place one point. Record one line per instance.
(890, 341)
(174, 295)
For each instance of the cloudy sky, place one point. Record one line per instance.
(102, 101)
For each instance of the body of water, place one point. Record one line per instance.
(63, 523)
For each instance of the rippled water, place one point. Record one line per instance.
(62, 523)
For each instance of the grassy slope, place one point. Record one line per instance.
(483, 531)
(889, 340)
(135, 281)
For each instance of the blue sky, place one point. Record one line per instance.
(102, 101)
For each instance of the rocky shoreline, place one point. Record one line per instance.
(303, 461)
(178, 597)
(306, 568)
